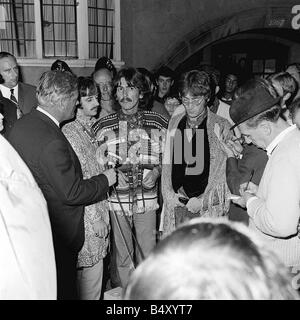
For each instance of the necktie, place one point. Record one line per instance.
(14, 99)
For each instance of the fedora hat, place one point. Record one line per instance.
(250, 104)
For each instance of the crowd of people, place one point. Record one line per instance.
(115, 165)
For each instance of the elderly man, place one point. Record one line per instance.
(273, 206)
(133, 139)
(103, 76)
(17, 98)
(38, 139)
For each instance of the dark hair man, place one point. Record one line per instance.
(133, 138)
(164, 80)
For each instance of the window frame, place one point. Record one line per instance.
(83, 59)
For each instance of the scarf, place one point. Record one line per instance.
(215, 199)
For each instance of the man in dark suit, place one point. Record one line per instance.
(17, 98)
(38, 139)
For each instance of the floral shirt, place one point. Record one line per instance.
(81, 139)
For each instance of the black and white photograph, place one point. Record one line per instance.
(149, 151)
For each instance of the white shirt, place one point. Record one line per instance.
(270, 148)
(27, 268)
(48, 115)
(6, 91)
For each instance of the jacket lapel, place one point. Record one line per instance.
(21, 98)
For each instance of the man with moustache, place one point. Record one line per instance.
(133, 139)
(44, 148)
(17, 98)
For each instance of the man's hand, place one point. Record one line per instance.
(193, 205)
(240, 201)
(111, 176)
(246, 194)
(100, 228)
(249, 187)
(150, 179)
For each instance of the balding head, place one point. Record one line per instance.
(103, 79)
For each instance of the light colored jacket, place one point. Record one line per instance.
(27, 269)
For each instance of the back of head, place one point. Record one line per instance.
(4, 54)
(209, 259)
(60, 65)
(55, 86)
(295, 65)
(287, 83)
(105, 63)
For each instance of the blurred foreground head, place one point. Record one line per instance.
(208, 259)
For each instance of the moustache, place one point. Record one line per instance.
(125, 100)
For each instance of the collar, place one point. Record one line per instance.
(270, 148)
(48, 115)
(6, 91)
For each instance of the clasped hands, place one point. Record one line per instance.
(193, 204)
(247, 191)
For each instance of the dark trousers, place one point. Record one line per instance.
(66, 273)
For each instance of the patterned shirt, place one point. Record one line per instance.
(79, 134)
(135, 145)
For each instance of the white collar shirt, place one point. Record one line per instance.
(270, 148)
(6, 91)
(48, 115)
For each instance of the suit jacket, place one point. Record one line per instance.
(27, 101)
(57, 171)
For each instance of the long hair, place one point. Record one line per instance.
(198, 83)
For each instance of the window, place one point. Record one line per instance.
(59, 28)
(263, 67)
(17, 27)
(69, 29)
(101, 28)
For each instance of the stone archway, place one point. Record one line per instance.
(275, 17)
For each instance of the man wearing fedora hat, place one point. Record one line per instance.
(273, 206)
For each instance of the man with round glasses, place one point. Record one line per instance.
(193, 176)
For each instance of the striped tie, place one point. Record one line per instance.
(14, 99)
